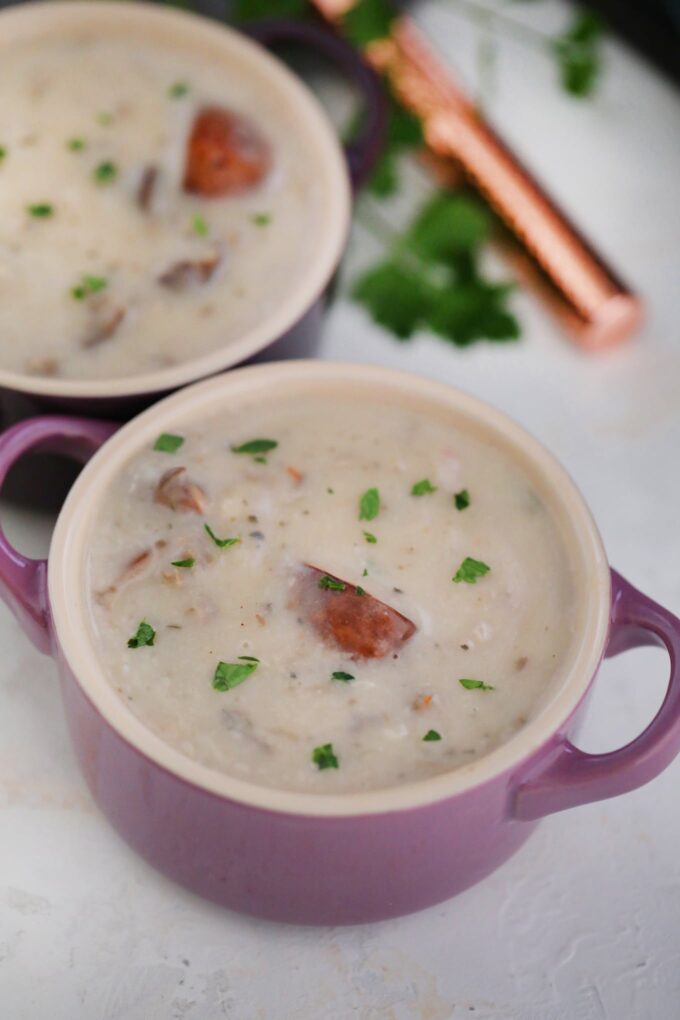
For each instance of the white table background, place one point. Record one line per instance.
(584, 923)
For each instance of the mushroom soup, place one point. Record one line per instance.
(329, 594)
(156, 203)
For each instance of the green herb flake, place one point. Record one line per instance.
(256, 446)
(88, 285)
(578, 54)
(248, 658)
(222, 543)
(261, 219)
(365, 572)
(188, 562)
(341, 675)
(3, 153)
(421, 488)
(168, 443)
(324, 757)
(178, 89)
(329, 583)
(396, 296)
(231, 674)
(475, 685)
(369, 505)
(370, 538)
(145, 636)
(105, 119)
(75, 144)
(462, 499)
(470, 570)
(432, 735)
(40, 210)
(359, 590)
(199, 226)
(106, 172)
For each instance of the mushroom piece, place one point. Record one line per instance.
(347, 617)
(177, 492)
(106, 318)
(226, 154)
(189, 273)
(147, 188)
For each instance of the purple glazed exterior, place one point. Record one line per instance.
(301, 339)
(343, 869)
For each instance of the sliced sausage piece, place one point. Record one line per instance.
(177, 492)
(226, 154)
(190, 273)
(349, 618)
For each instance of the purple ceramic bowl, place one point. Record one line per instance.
(292, 329)
(315, 858)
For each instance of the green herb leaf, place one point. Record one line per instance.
(199, 226)
(105, 172)
(359, 590)
(470, 570)
(145, 635)
(231, 674)
(448, 225)
(365, 572)
(76, 144)
(475, 685)
(88, 285)
(432, 735)
(222, 543)
(256, 446)
(248, 658)
(189, 562)
(396, 296)
(462, 499)
(370, 538)
(331, 584)
(368, 20)
(421, 488)
(578, 53)
(325, 757)
(168, 443)
(178, 90)
(369, 505)
(404, 131)
(471, 311)
(340, 675)
(261, 219)
(41, 210)
(3, 153)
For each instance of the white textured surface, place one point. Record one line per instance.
(584, 923)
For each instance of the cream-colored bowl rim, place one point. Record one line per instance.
(67, 582)
(142, 20)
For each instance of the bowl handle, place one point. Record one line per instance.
(566, 776)
(23, 581)
(363, 151)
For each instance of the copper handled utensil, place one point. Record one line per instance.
(593, 304)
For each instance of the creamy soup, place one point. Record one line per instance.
(329, 595)
(154, 204)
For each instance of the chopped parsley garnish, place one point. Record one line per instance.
(3, 153)
(432, 735)
(105, 119)
(145, 635)
(256, 448)
(470, 570)
(359, 590)
(578, 53)
(475, 685)
(223, 543)
(325, 757)
(76, 144)
(168, 443)
(369, 505)
(341, 675)
(370, 538)
(40, 210)
(199, 226)
(261, 219)
(365, 572)
(178, 89)
(420, 488)
(188, 562)
(105, 172)
(88, 285)
(331, 584)
(231, 674)
(462, 499)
